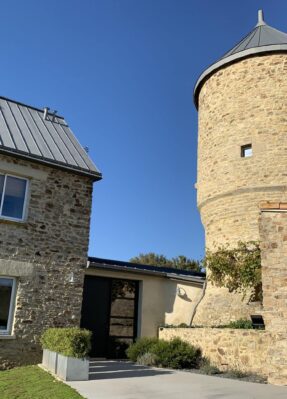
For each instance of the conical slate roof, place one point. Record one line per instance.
(262, 39)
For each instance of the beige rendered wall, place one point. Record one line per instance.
(159, 303)
(243, 103)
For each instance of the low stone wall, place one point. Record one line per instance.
(246, 350)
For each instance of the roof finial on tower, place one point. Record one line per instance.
(260, 18)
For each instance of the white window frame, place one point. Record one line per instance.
(8, 331)
(24, 212)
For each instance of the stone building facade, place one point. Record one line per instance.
(241, 192)
(242, 154)
(262, 352)
(273, 237)
(42, 256)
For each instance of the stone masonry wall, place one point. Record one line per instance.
(242, 103)
(273, 229)
(41, 252)
(260, 352)
(245, 350)
(219, 307)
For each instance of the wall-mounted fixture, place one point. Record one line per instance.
(181, 292)
(71, 278)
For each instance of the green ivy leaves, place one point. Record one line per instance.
(237, 268)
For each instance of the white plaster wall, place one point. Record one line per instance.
(159, 303)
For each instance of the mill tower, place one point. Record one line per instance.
(242, 149)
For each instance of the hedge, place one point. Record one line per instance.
(140, 347)
(72, 342)
(175, 354)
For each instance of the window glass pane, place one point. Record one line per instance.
(122, 327)
(246, 151)
(123, 289)
(14, 197)
(123, 308)
(5, 298)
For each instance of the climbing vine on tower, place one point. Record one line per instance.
(236, 268)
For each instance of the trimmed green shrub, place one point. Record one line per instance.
(140, 347)
(241, 323)
(73, 342)
(148, 359)
(175, 354)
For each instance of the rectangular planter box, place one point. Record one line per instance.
(72, 369)
(66, 368)
(50, 360)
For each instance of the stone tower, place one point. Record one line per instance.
(242, 149)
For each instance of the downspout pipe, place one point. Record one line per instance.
(200, 299)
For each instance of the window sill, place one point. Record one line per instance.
(4, 336)
(10, 221)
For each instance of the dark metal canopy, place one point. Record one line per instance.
(170, 272)
(262, 39)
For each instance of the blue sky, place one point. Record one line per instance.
(122, 73)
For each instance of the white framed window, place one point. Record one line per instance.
(7, 304)
(246, 151)
(13, 197)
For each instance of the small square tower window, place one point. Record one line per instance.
(246, 151)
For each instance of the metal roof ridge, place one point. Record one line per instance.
(28, 106)
(25, 133)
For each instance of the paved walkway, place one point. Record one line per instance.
(124, 380)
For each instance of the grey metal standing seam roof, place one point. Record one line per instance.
(25, 133)
(262, 39)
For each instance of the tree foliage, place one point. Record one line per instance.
(238, 269)
(179, 262)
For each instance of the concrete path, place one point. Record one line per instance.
(124, 380)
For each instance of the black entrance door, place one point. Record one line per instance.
(109, 310)
(96, 313)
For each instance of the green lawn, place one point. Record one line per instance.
(31, 382)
